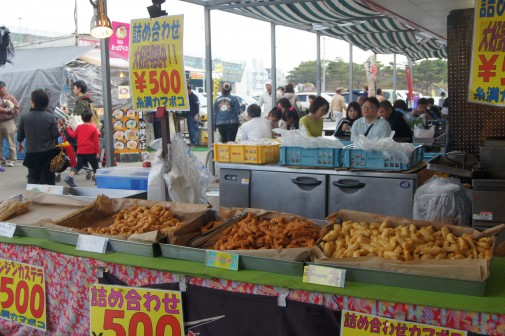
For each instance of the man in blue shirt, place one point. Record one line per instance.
(193, 117)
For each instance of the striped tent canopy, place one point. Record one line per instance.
(347, 20)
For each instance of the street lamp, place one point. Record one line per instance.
(19, 29)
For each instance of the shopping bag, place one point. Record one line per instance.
(60, 162)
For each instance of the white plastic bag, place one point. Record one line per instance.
(74, 121)
(423, 132)
(155, 180)
(188, 179)
(398, 151)
(442, 199)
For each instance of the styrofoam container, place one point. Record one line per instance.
(130, 178)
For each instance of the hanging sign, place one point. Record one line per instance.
(117, 310)
(157, 64)
(487, 78)
(357, 324)
(120, 40)
(23, 294)
(129, 131)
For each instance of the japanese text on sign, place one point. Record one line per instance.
(357, 324)
(487, 77)
(119, 310)
(157, 64)
(23, 294)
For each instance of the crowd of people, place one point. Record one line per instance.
(40, 133)
(373, 117)
(370, 116)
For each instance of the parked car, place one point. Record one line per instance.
(304, 100)
(203, 105)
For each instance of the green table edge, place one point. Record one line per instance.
(492, 303)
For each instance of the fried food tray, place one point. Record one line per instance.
(114, 245)
(245, 261)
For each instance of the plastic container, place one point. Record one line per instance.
(238, 153)
(129, 178)
(359, 158)
(311, 157)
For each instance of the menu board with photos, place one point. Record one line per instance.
(129, 131)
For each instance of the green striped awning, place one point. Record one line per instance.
(342, 19)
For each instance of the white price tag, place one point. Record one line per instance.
(91, 243)
(321, 275)
(7, 229)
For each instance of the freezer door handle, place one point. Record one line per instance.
(306, 181)
(349, 183)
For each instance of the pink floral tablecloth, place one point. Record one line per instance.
(68, 279)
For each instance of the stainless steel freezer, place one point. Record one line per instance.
(315, 193)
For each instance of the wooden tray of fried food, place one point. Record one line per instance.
(13, 207)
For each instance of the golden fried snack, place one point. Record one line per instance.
(258, 233)
(210, 225)
(352, 239)
(13, 207)
(140, 219)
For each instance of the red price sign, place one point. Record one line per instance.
(23, 294)
(122, 311)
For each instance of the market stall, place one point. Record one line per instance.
(280, 294)
(73, 271)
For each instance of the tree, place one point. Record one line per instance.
(427, 73)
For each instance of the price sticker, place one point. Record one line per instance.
(90, 243)
(7, 229)
(326, 276)
(23, 294)
(223, 260)
(116, 310)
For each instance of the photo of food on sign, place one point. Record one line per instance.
(118, 125)
(129, 131)
(132, 144)
(131, 124)
(117, 114)
(119, 135)
(121, 32)
(131, 134)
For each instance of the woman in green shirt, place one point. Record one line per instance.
(313, 122)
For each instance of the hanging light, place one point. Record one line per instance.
(100, 24)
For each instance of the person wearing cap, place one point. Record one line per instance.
(226, 114)
(9, 110)
(265, 99)
(337, 107)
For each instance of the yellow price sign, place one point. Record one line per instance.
(23, 294)
(121, 311)
(157, 64)
(357, 324)
(487, 82)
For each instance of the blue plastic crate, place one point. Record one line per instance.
(359, 158)
(311, 157)
(128, 178)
